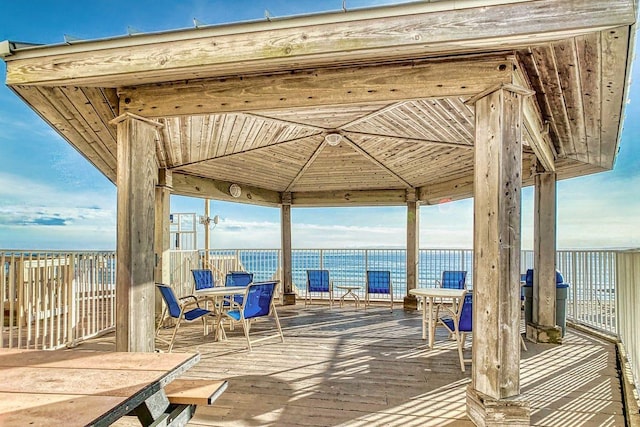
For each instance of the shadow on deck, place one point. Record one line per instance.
(361, 368)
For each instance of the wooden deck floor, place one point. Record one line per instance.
(370, 368)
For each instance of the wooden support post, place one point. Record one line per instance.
(496, 241)
(543, 327)
(413, 248)
(137, 177)
(162, 239)
(288, 296)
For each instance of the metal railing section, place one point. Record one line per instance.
(591, 275)
(51, 299)
(628, 306)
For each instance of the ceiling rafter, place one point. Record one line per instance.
(372, 159)
(245, 151)
(306, 166)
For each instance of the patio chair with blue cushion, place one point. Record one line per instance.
(238, 278)
(453, 279)
(185, 308)
(257, 302)
(318, 281)
(378, 282)
(458, 320)
(203, 280)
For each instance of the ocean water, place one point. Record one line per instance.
(348, 267)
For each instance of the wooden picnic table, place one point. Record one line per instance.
(78, 388)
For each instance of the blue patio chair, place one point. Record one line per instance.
(458, 321)
(237, 278)
(257, 302)
(179, 309)
(378, 282)
(318, 281)
(202, 280)
(453, 279)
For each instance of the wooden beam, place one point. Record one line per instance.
(536, 128)
(544, 251)
(135, 290)
(288, 297)
(162, 236)
(349, 198)
(419, 29)
(327, 86)
(455, 189)
(413, 241)
(195, 186)
(496, 243)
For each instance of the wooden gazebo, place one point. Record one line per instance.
(402, 105)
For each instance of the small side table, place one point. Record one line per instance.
(349, 292)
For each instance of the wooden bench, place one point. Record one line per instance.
(194, 392)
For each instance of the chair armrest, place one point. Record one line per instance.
(184, 301)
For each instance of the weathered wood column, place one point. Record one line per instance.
(413, 248)
(136, 179)
(543, 328)
(288, 297)
(162, 239)
(496, 243)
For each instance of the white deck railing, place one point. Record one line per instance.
(51, 299)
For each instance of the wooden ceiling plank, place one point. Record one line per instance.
(376, 162)
(423, 31)
(432, 110)
(228, 122)
(265, 115)
(50, 114)
(185, 139)
(414, 118)
(236, 133)
(547, 69)
(252, 141)
(306, 166)
(412, 140)
(368, 117)
(615, 63)
(205, 136)
(101, 103)
(195, 137)
(59, 99)
(463, 111)
(91, 117)
(457, 122)
(390, 82)
(589, 68)
(570, 84)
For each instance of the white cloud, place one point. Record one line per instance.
(35, 215)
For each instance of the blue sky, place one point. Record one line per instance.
(52, 198)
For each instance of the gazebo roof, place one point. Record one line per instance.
(251, 103)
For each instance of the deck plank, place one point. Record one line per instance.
(350, 367)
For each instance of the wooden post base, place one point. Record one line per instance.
(289, 298)
(410, 303)
(544, 334)
(485, 411)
